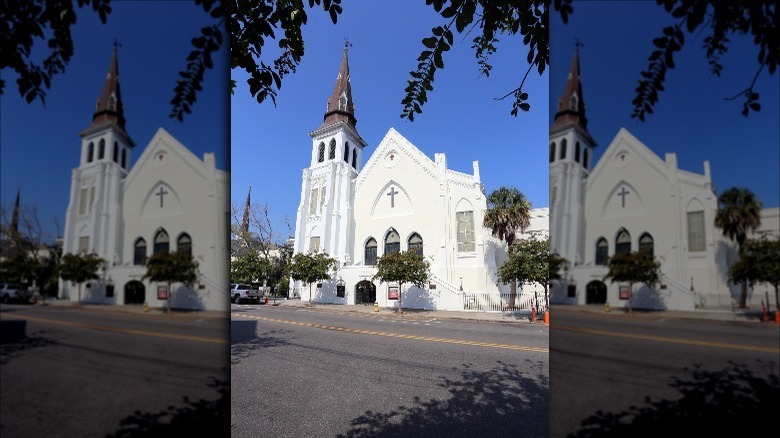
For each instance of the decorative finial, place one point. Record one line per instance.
(116, 43)
(347, 44)
(578, 43)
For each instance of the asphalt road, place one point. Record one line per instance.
(298, 372)
(70, 372)
(645, 375)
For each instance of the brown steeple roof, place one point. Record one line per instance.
(571, 105)
(110, 109)
(340, 105)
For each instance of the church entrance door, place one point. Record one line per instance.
(596, 292)
(135, 292)
(365, 292)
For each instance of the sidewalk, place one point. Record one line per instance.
(520, 316)
(136, 309)
(737, 315)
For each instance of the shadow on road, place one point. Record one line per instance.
(244, 340)
(14, 340)
(497, 402)
(195, 418)
(733, 400)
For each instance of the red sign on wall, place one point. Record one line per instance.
(162, 292)
(392, 293)
(624, 293)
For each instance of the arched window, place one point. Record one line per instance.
(585, 158)
(90, 152)
(577, 152)
(354, 158)
(139, 252)
(116, 152)
(392, 242)
(623, 242)
(102, 149)
(563, 149)
(552, 152)
(646, 243)
(602, 249)
(332, 152)
(573, 102)
(184, 243)
(416, 244)
(111, 103)
(370, 258)
(346, 152)
(161, 242)
(321, 154)
(343, 102)
(124, 158)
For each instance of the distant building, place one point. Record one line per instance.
(169, 200)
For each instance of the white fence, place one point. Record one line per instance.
(503, 302)
(715, 301)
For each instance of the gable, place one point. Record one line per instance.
(394, 156)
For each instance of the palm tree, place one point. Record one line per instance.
(739, 211)
(508, 211)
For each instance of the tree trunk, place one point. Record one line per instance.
(631, 298)
(512, 294)
(399, 300)
(168, 295)
(79, 294)
(546, 302)
(309, 293)
(743, 296)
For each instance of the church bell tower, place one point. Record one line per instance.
(571, 158)
(325, 218)
(94, 217)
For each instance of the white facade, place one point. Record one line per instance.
(169, 197)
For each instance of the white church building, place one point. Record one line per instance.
(168, 200)
(633, 199)
(399, 200)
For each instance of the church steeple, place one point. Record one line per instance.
(110, 108)
(340, 105)
(571, 105)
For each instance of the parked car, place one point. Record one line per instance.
(14, 292)
(240, 293)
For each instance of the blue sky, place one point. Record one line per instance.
(691, 118)
(40, 145)
(271, 145)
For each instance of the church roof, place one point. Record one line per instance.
(110, 108)
(340, 105)
(571, 105)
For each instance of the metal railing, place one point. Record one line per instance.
(715, 301)
(502, 302)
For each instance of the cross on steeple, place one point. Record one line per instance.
(392, 196)
(622, 194)
(347, 44)
(161, 193)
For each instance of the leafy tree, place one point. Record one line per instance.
(168, 268)
(530, 261)
(636, 267)
(19, 267)
(403, 267)
(249, 267)
(725, 19)
(508, 211)
(81, 267)
(739, 211)
(311, 268)
(759, 262)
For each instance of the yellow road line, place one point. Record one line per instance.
(670, 340)
(396, 335)
(122, 330)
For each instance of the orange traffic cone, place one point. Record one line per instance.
(547, 317)
(777, 317)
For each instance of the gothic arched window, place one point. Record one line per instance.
(623, 242)
(416, 244)
(602, 250)
(563, 149)
(392, 242)
(102, 149)
(354, 158)
(577, 152)
(332, 152)
(139, 251)
(346, 152)
(573, 102)
(111, 103)
(90, 152)
(124, 158)
(370, 256)
(585, 158)
(646, 243)
(161, 242)
(116, 152)
(321, 154)
(184, 243)
(552, 152)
